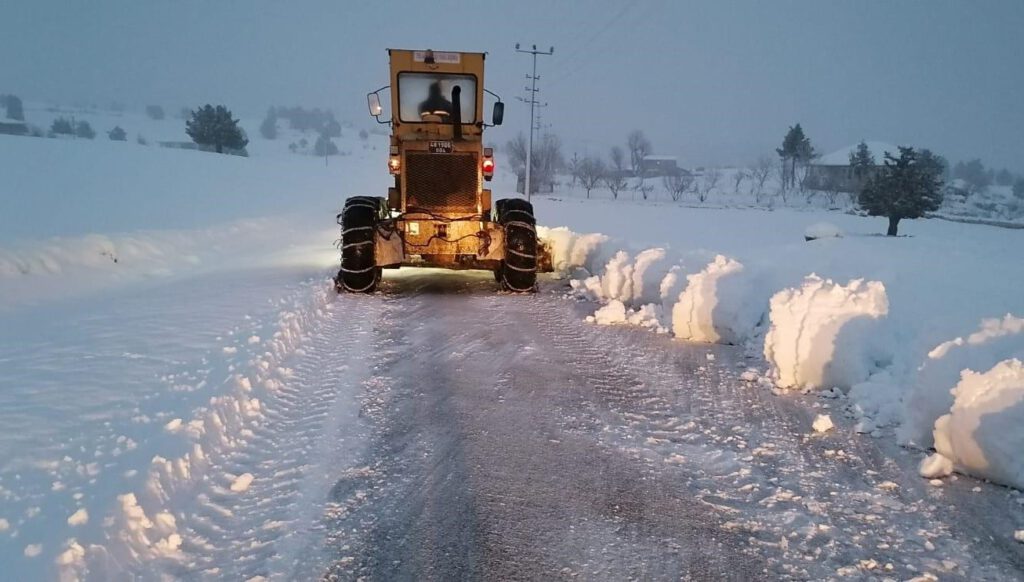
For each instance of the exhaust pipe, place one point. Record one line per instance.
(457, 113)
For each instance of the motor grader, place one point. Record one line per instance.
(438, 214)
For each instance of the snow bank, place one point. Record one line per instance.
(144, 527)
(930, 394)
(570, 250)
(983, 434)
(825, 334)
(718, 304)
(31, 270)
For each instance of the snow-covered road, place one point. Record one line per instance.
(500, 437)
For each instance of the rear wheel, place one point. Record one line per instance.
(518, 271)
(359, 272)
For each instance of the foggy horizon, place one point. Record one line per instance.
(709, 83)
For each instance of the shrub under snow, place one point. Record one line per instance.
(983, 434)
(930, 396)
(825, 334)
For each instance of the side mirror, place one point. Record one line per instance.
(499, 113)
(374, 102)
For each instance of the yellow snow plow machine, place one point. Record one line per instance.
(438, 214)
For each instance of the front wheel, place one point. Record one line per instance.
(359, 272)
(518, 270)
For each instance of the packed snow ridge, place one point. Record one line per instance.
(144, 532)
(966, 400)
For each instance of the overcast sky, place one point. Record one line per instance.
(711, 81)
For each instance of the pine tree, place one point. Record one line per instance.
(215, 127)
(324, 146)
(268, 129)
(155, 112)
(13, 106)
(1018, 188)
(84, 130)
(862, 157)
(117, 134)
(796, 148)
(974, 174)
(904, 188)
(61, 126)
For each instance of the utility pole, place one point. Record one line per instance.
(533, 103)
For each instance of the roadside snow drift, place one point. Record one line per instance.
(930, 395)
(718, 305)
(824, 334)
(983, 434)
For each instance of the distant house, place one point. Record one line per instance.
(660, 166)
(13, 127)
(833, 171)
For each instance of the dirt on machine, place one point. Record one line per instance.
(438, 213)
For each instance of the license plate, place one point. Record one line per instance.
(440, 147)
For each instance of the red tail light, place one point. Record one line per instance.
(488, 166)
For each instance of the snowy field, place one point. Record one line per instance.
(159, 308)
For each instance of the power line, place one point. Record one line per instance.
(533, 104)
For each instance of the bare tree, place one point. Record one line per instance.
(759, 175)
(708, 183)
(643, 187)
(639, 148)
(677, 184)
(615, 182)
(802, 172)
(831, 188)
(782, 171)
(591, 172)
(618, 158)
(547, 160)
(574, 167)
(737, 180)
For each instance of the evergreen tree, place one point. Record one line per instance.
(904, 188)
(61, 126)
(933, 163)
(974, 174)
(331, 127)
(117, 134)
(13, 106)
(268, 129)
(155, 112)
(214, 126)
(796, 149)
(324, 146)
(861, 157)
(84, 130)
(1018, 188)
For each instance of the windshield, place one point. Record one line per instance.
(428, 96)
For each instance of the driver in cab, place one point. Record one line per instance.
(435, 104)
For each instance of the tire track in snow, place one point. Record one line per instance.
(274, 527)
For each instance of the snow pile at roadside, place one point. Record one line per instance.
(930, 395)
(825, 334)
(718, 305)
(145, 528)
(983, 434)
